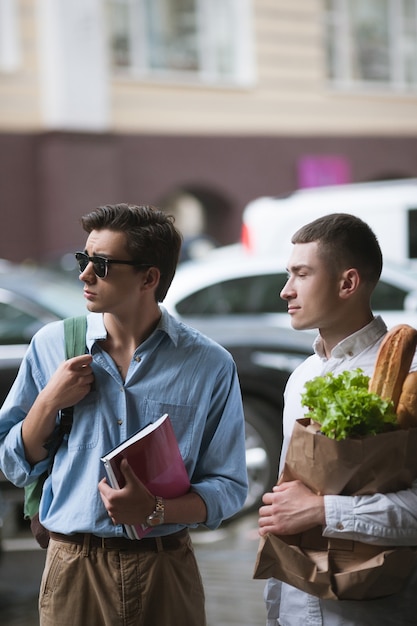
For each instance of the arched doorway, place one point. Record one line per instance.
(202, 215)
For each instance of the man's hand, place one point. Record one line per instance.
(129, 505)
(289, 509)
(70, 383)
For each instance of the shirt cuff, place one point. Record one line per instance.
(339, 516)
(15, 466)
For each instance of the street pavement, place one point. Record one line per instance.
(226, 559)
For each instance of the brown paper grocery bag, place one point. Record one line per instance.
(363, 572)
(341, 569)
(366, 465)
(277, 559)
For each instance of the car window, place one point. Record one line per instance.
(64, 298)
(238, 296)
(16, 325)
(388, 297)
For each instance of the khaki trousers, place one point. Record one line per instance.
(92, 586)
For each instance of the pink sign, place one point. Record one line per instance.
(317, 171)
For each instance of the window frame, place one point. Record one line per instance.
(340, 48)
(245, 295)
(139, 66)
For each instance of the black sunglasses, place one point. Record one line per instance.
(101, 264)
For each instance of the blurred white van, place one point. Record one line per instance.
(389, 207)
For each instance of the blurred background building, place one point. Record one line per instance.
(198, 106)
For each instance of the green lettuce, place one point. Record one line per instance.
(344, 407)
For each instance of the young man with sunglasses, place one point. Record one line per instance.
(139, 364)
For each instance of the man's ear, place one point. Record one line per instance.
(151, 278)
(349, 282)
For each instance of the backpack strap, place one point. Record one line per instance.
(75, 329)
(75, 333)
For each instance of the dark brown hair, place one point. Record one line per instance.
(151, 237)
(344, 241)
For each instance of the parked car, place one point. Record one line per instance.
(29, 298)
(233, 297)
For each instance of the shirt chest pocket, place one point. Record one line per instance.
(86, 422)
(182, 418)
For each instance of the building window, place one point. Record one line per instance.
(207, 41)
(372, 43)
(10, 53)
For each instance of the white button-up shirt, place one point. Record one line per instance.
(382, 519)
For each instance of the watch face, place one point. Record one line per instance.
(157, 516)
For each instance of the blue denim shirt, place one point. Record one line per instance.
(177, 371)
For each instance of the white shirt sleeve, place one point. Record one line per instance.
(380, 519)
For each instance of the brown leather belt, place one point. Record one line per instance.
(147, 544)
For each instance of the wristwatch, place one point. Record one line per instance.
(156, 518)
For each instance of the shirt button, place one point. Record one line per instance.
(137, 359)
(339, 526)
(120, 422)
(350, 353)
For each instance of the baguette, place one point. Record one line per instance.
(393, 362)
(407, 404)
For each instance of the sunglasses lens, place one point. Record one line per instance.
(99, 267)
(82, 261)
(99, 264)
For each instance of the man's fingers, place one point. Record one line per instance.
(80, 362)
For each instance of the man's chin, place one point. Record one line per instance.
(93, 307)
(299, 325)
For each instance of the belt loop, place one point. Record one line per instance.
(86, 544)
(159, 544)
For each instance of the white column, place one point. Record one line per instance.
(10, 50)
(74, 65)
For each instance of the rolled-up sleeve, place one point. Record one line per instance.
(29, 381)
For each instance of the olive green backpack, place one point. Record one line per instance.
(75, 332)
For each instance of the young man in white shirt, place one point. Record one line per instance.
(334, 267)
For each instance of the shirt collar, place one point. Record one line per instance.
(96, 330)
(355, 343)
(169, 325)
